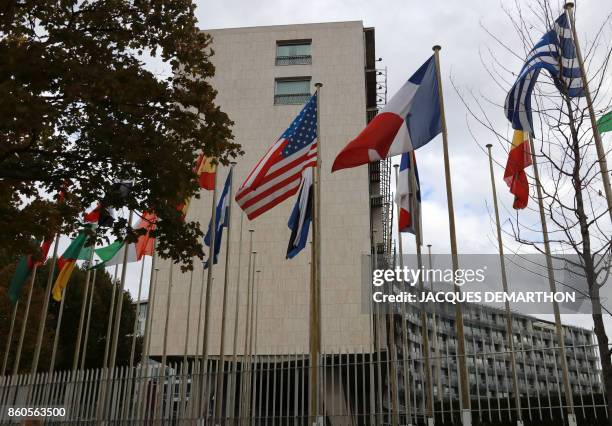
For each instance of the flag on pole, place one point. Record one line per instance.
(24, 268)
(409, 120)
(301, 216)
(409, 204)
(221, 219)
(66, 263)
(277, 175)
(22, 272)
(112, 254)
(519, 158)
(556, 46)
(604, 124)
(104, 213)
(206, 169)
(146, 242)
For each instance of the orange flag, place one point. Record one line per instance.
(146, 242)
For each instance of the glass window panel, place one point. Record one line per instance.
(293, 49)
(290, 87)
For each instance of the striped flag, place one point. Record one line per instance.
(556, 53)
(277, 175)
(409, 205)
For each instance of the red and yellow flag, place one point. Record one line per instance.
(206, 169)
(66, 263)
(519, 158)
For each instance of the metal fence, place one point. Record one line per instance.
(357, 387)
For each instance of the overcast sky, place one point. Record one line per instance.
(405, 33)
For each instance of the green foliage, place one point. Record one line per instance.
(70, 322)
(78, 111)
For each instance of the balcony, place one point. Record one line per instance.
(294, 60)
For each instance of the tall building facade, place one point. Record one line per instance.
(263, 77)
(537, 357)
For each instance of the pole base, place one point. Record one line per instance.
(430, 421)
(571, 420)
(466, 417)
(520, 423)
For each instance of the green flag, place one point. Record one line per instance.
(109, 252)
(22, 272)
(604, 124)
(74, 249)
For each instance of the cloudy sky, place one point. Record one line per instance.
(405, 33)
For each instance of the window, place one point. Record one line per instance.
(292, 91)
(294, 52)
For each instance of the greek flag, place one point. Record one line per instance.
(555, 52)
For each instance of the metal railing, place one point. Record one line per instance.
(294, 60)
(292, 99)
(262, 389)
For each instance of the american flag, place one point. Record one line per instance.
(277, 175)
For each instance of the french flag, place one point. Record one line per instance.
(409, 120)
(408, 196)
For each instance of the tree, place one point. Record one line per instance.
(79, 111)
(576, 210)
(70, 322)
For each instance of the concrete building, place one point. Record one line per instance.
(537, 356)
(263, 76)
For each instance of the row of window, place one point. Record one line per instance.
(294, 90)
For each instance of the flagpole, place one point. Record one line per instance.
(466, 413)
(184, 366)
(219, 386)
(315, 283)
(435, 336)
(25, 321)
(164, 360)
(242, 405)
(553, 288)
(91, 297)
(167, 319)
(113, 352)
(236, 315)
(404, 329)
(211, 261)
(45, 308)
(601, 153)
(509, 327)
(135, 328)
(58, 327)
(77, 349)
(249, 379)
(147, 331)
(111, 313)
(10, 337)
(425, 328)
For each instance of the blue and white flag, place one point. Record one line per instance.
(221, 218)
(555, 52)
(301, 216)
